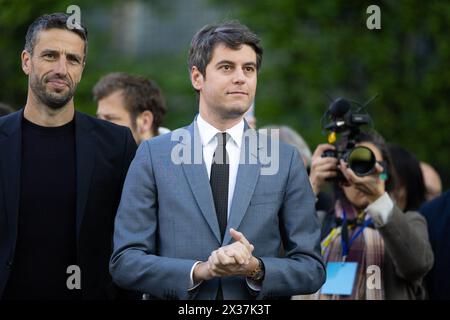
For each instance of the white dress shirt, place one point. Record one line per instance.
(209, 141)
(209, 144)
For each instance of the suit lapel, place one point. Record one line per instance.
(197, 177)
(10, 165)
(247, 177)
(85, 155)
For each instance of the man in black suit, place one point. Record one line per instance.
(61, 176)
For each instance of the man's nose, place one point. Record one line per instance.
(61, 66)
(239, 76)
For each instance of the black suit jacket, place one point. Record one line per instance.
(437, 214)
(103, 154)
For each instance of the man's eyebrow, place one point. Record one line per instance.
(251, 63)
(225, 62)
(74, 56)
(47, 51)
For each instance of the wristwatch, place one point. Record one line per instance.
(258, 273)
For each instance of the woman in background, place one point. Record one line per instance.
(367, 228)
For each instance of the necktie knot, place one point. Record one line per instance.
(222, 138)
(221, 155)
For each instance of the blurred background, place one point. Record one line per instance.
(312, 48)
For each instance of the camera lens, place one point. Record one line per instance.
(361, 160)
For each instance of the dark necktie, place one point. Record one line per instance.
(219, 181)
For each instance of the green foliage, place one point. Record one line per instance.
(312, 48)
(318, 47)
(170, 72)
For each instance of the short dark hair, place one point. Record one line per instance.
(409, 176)
(139, 93)
(233, 34)
(53, 21)
(5, 109)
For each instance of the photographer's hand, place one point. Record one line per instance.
(322, 167)
(372, 186)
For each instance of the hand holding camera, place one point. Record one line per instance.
(371, 185)
(322, 168)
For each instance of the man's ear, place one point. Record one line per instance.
(196, 78)
(26, 62)
(145, 122)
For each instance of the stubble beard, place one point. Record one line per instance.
(53, 100)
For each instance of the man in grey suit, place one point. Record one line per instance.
(202, 215)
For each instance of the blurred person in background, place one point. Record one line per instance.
(409, 191)
(437, 214)
(132, 101)
(433, 184)
(368, 229)
(290, 136)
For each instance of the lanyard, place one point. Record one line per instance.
(346, 244)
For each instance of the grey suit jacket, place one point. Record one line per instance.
(166, 222)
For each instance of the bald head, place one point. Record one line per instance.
(432, 181)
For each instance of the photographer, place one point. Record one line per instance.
(367, 228)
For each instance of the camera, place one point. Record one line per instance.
(343, 120)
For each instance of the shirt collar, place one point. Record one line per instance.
(208, 132)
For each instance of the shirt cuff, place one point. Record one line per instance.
(381, 210)
(193, 285)
(254, 285)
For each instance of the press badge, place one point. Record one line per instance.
(340, 278)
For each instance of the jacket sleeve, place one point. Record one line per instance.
(406, 241)
(134, 264)
(302, 270)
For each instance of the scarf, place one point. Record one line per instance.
(367, 250)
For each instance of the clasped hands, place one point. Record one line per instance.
(233, 259)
